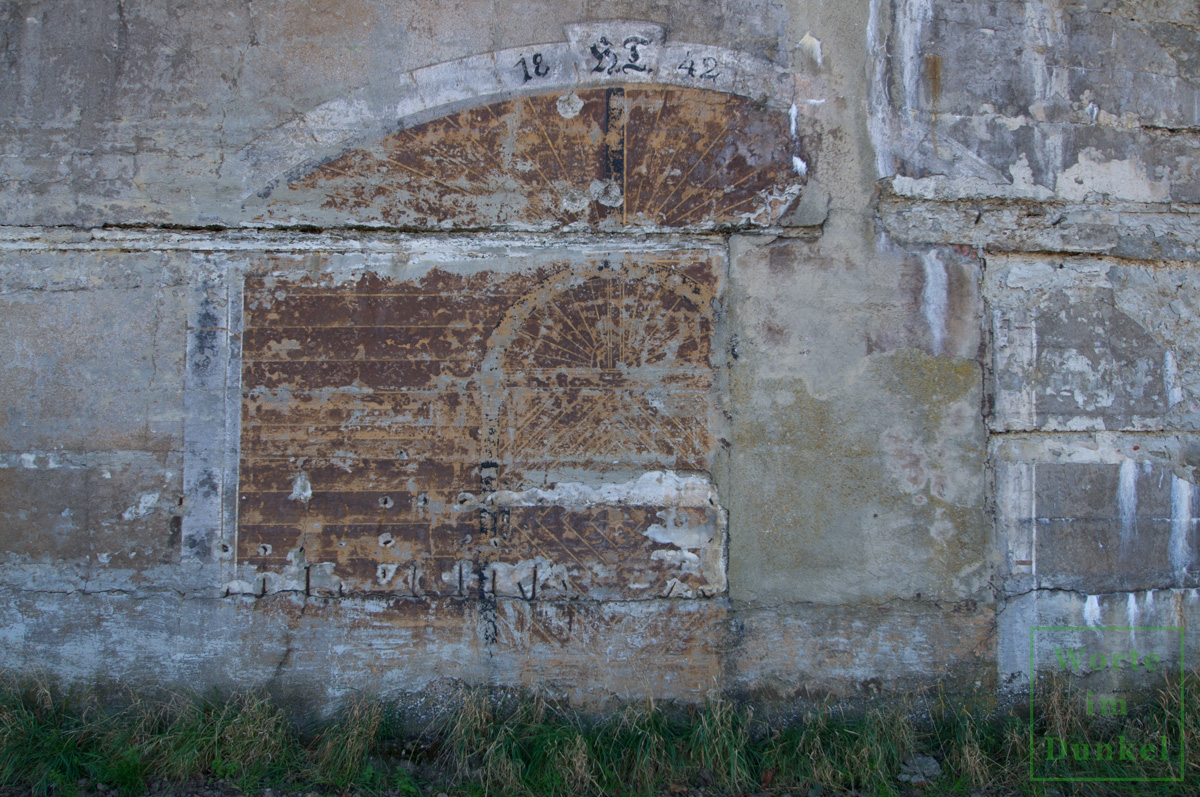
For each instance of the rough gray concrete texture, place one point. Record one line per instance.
(948, 359)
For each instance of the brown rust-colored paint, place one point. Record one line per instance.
(373, 447)
(634, 156)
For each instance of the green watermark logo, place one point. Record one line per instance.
(1087, 690)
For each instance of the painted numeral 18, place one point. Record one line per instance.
(540, 67)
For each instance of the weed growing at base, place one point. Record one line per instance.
(505, 743)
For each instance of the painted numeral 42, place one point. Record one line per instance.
(708, 65)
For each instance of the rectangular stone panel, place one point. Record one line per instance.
(1097, 514)
(1084, 344)
(812, 652)
(538, 430)
(96, 521)
(94, 369)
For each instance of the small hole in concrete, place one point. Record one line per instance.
(264, 549)
(386, 502)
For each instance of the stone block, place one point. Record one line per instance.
(810, 653)
(855, 470)
(1078, 346)
(1098, 514)
(92, 369)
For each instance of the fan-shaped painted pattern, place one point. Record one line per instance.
(605, 158)
(622, 354)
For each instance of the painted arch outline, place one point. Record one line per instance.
(614, 129)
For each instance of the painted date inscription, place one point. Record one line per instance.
(705, 70)
(539, 65)
(628, 57)
(611, 61)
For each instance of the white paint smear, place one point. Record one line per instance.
(934, 298)
(654, 488)
(1181, 525)
(1091, 611)
(1127, 503)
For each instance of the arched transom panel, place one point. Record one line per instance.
(635, 156)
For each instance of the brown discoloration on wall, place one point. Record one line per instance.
(623, 353)
(382, 419)
(621, 156)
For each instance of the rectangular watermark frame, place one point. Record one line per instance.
(1072, 657)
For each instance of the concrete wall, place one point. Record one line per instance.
(638, 349)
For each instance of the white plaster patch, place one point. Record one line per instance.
(569, 105)
(301, 488)
(606, 192)
(29, 461)
(575, 200)
(1118, 179)
(1091, 611)
(144, 506)
(686, 561)
(653, 488)
(681, 535)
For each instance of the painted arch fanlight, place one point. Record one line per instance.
(631, 156)
(398, 433)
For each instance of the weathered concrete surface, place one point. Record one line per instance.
(804, 652)
(147, 107)
(1092, 343)
(319, 651)
(771, 347)
(857, 453)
